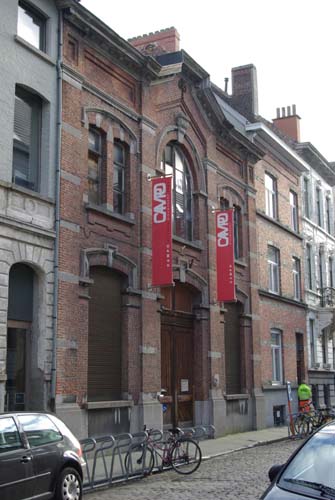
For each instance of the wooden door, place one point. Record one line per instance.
(177, 373)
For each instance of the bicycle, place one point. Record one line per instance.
(306, 422)
(178, 451)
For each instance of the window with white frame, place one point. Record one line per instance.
(270, 196)
(273, 269)
(277, 356)
(312, 340)
(294, 210)
(27, 139)
(309, 266)
(296, 278)
(318, 200)
(328, 215)
(174, 163)
(320, 269)
(31, 25)
(306, 197)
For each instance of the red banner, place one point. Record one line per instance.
(161, 232)
(225, 265)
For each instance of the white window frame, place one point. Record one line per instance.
(296, 278)
(28, 13)
(328, 215)
(274, 271)
(270, 196)
(277, 356)
(294, 210)
(318, 203)
(306, 190)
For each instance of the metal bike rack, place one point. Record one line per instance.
(104, 444)
(105, 456)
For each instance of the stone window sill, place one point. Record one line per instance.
(102, 405)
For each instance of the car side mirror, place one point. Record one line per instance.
(275, 469)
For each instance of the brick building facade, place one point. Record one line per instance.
(128, 117)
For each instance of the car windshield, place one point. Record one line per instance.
(312, 470)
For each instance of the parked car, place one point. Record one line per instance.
(39, 458)
(309, 472)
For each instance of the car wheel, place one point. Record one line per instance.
(69, 485)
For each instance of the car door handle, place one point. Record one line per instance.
(25, 459)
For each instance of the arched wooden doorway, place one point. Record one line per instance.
(177, 355)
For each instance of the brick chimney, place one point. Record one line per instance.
(288, 122)
(157, 43)
(244, 90)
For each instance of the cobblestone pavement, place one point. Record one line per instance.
(242, 474)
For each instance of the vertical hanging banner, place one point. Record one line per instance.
(225, 262)
(161, 232)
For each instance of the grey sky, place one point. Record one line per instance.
(289, 41)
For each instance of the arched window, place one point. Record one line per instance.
(175, 164)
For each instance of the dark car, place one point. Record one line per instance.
(309, 472)
(39, 458)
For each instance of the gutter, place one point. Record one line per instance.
(271, 139)
(57, 213)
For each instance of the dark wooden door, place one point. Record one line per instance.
(177, 372)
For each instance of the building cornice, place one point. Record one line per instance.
(113, 45)
(279, 224)
(316, 161)
(265, 138)
(281, 298)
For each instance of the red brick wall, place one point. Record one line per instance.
(275, 313)
(158, 107)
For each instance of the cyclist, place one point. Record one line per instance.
(305, 397)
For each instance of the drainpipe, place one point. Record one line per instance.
(57, 212)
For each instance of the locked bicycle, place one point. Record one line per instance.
(177, 451)
(306, 422)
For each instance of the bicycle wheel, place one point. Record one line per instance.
(139, 460)
(185, 456)
(301, 425)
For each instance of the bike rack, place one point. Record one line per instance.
(105, 455)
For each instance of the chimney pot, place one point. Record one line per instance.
(290, 123)
(226, 80)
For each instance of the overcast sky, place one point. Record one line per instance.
(291, 43)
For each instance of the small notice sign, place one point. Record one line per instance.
(184, 387)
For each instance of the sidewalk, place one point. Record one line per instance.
(210, 448)
(214, 447)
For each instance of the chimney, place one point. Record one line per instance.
(157, 43)
(288, 122)
(244, 90)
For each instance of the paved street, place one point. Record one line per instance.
(240, 474)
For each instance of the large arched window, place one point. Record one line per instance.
(175, 164)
